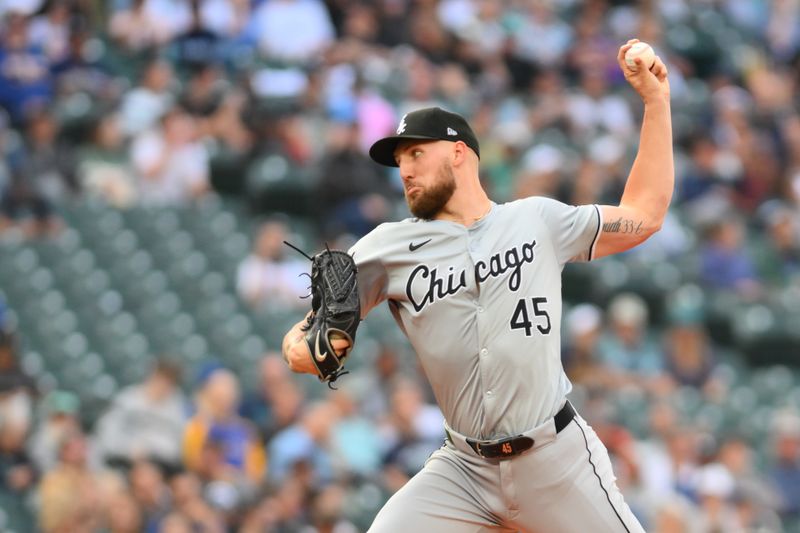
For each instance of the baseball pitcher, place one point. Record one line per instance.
(476, 287)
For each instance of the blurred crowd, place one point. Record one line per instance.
(161, 103)
(193, 450)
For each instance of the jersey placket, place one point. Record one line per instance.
(482, 326)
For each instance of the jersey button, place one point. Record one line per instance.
(480, 309)
(484, 351)
(488, 393)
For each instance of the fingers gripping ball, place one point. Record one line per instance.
(642, 51)
(336, 312)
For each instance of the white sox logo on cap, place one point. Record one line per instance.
(402, 126)
(429, 124)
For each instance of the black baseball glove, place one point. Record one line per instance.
(335, 311)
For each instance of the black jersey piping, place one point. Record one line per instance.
(586, 443)
(597, 234)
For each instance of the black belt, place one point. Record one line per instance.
(511, 446)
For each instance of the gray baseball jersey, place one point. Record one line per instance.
(481, 306)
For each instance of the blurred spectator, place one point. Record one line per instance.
(541, 37)
(71, 495)
(287, 134)
(752, 516)
(675, 515)
(411, 431)
(593, 48)
(138, 28)
(276, 402)
(548, 102)
(21, 7)
(540, 172)
(225, 17)
(104, 168)
(595, 110)
(17, 389)
(286, 406)
(354, 439)
(123, 512)
(25, 80)
(82, 71)
(305, 446)
(60, 411)
(145, 421)
(376, 398)
(327, 511)
(626, 348)
(689, 354)
(197, 46)
(178, 523)
(785, 471)
(281, 509)
(715, 487)
(144, 105)
(658, 470)
(218, 444)
(43, 173)
(150, 492)
(778, 255)
(580, 354)
(217, 107)
(171, 163)
(683, 458)
(5, 321)
(724, 261)
(712, 169)
(351, 190)
(17, 470)
(190, 508)
(754, 497)
(48, 165)
(268, 276)
(205, 90)
(50, 31)
(375, 115)
(18, 473)
(429, 36)
(274, 25)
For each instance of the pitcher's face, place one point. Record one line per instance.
(428, 179)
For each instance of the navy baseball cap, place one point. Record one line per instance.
(430, 124)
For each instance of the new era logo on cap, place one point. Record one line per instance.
(431, 124)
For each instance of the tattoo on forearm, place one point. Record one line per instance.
(623, 226)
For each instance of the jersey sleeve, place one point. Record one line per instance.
(574, 230)
(372, 277)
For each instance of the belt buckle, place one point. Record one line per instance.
(476, 446)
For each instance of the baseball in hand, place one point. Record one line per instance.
(643, 51)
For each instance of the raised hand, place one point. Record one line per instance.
(651, 84)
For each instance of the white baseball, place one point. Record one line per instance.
(643, 51)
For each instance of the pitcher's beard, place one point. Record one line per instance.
(431, 200)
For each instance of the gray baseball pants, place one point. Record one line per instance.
(563, 484)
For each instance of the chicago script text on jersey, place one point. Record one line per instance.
(437, 287)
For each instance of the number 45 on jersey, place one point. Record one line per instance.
(521, 318)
